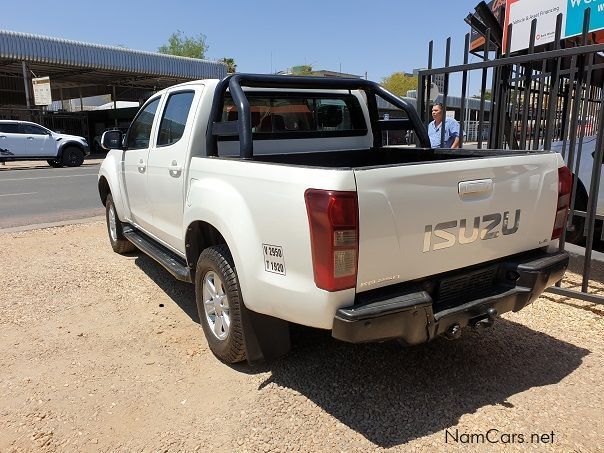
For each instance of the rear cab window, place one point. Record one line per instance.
(296, 115)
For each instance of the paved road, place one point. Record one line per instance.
(43, 195)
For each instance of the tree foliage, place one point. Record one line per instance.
(230, 64)
(399, 83)
(303, 69)
(487, 96)
(185, 46)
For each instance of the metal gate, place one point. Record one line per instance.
(541, 100)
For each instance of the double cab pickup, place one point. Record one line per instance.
(275, 197)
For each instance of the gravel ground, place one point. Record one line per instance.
(102, 352)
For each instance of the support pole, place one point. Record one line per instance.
(26, 84)
(114, 98)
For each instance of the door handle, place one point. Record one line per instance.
(175, 169)
(30, 138)
(476, 186)
(2, 136)
(141, 166)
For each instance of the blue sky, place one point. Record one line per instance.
(378, 37)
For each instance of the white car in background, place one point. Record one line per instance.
(22, 140)
(584, 174)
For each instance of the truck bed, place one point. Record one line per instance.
(358, 158)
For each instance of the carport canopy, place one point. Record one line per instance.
(79, 69)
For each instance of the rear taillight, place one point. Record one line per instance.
(565, 184)
(334, 237)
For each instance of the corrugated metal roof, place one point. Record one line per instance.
(44, 49)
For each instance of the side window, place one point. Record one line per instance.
(139, 133)
(9, 128)
(34, 130)
(174, 119)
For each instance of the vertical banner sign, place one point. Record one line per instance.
(520, 13)
(476, 39)
(42, 93)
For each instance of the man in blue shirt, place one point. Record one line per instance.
(451, 129)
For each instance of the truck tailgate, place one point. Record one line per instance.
(428, 218)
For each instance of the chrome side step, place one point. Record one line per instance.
(173, 264)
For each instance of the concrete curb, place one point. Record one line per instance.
(30, 164)
(40, 226)
(576, 250)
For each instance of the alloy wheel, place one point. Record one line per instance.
(216, 305)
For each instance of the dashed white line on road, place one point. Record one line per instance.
(15, 194)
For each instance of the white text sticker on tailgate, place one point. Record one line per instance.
(273, 259)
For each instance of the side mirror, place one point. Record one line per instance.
(112, 140)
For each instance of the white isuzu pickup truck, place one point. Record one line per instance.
(275, 197)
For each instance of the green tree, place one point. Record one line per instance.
(399, 83)
(487, 95)
(230, 64)
(303, 69)
(185, 46)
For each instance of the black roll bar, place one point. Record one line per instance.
(243, 126)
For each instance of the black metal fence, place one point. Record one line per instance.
(550, 99)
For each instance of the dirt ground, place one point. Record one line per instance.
(101, 352)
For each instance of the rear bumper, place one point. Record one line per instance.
(413, 314)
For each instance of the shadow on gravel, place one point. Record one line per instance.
(183, 294)
(392, 395)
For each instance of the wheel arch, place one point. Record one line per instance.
(68, 144)
(574, 232)
(581, 197)
(199, 236)
(104, 189)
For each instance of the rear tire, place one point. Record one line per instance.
(55, 163)
(219, 303)
(118, 241)
(73, 156)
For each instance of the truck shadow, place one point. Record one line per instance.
(393, 395)
(183, 294)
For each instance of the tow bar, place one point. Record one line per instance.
(483, 323)
(479, 324)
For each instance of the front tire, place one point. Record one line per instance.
(118, 241)
(219, 303)
(55, 163)
(73, 156)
